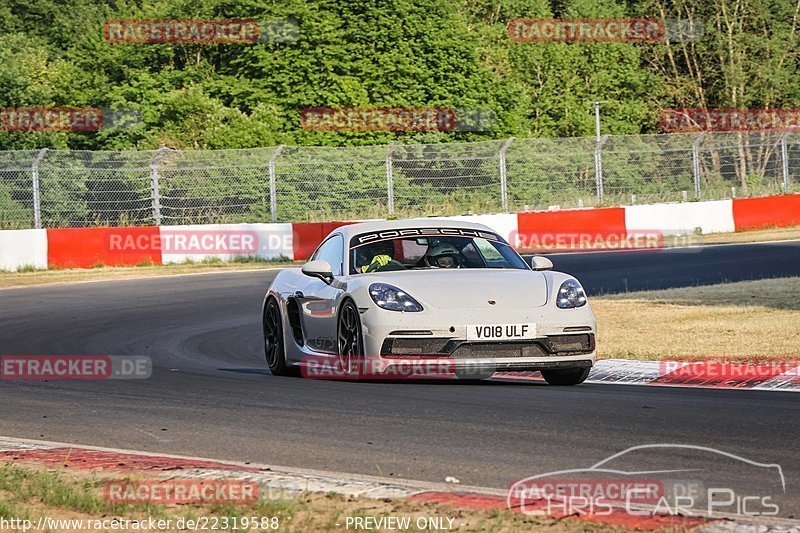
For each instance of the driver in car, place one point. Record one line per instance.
(371, 257)
(443, 256)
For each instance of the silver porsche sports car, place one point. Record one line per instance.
(422, 297)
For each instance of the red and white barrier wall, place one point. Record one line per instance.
(23, 248)
(271, 241)
(682, 218)
(87, 247)
(753, 213)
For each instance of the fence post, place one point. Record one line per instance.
(785, 162)
(503, 179)
(390, 179)
(696, 164)
(155, 196)
(37, 193)
(273, 195)
(598, 166)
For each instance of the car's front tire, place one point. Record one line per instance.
(566, 377)
(350, 340)
(274, 349)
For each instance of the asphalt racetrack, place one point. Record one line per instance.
(604, 272)
(210, 394)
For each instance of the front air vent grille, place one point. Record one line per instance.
(554, 345)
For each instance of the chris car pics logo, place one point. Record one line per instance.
(656, 479)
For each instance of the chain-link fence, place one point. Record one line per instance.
(49, 188)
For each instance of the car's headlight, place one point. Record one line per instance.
(570, 295)
(391, 298)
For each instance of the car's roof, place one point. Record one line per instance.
(350, 230)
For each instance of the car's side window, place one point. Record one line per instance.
(489, 252)
(332, 251)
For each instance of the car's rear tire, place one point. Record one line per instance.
(274, 349)
(566, 377)
(350, 340)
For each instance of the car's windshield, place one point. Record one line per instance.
(430, 248)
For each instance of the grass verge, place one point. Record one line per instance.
(747, 321)
(105, 273)
(29, 492)
(761, 235)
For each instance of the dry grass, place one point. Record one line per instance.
(72, 275)
(763, 235)
(31, 491)
(749, 320)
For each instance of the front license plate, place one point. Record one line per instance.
(501, 332)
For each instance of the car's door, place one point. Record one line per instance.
(317, 300)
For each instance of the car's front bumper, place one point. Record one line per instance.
(422, 343)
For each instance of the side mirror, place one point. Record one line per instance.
(318, 269)
(539, 263)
